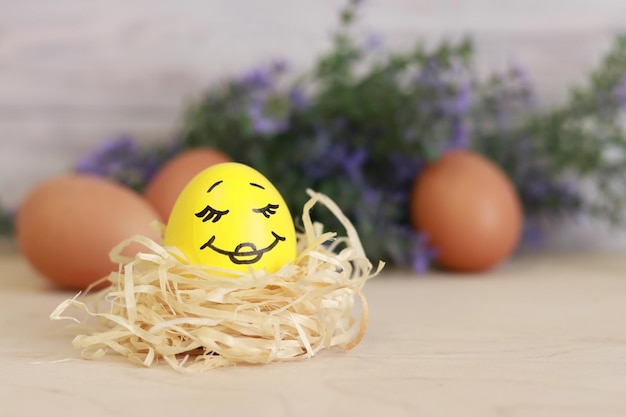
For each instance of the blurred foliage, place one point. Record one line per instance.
(567, 159)
(6, 223)
(364, 120)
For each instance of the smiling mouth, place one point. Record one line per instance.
(246, 252)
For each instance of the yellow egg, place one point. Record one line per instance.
(230, 216)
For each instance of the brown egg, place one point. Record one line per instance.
(469, 209)
(67, 226)
(167, 184)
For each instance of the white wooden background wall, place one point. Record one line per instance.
(73, 72)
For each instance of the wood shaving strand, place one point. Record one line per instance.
(160, 308)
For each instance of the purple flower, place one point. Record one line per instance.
(421, 262)
(521, 74)
(538, 188)
(109, 157)
(371, 197)
(525, 82)
(405, 166)
(326, 159)
(532, 233)
(341, 159)
(264, 77)
(121, 160)
(353, 162)
(373, 42)
(459, 137)
(279, 66)
(263, 124)
(422, 254)
(462, 102)
(429, 75)
(620, 92)
(407, 246)
(257, 78)
(317, 164)
(297, 98)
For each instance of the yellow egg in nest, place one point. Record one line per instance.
(294, 292)
(230, 216)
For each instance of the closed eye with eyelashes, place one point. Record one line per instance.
(209, 213)
(268, 210)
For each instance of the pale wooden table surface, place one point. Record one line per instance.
(541, 336)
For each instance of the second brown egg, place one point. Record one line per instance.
(469, 210)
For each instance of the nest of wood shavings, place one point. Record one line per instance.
(159, 308)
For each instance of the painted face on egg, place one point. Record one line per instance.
(230, 216)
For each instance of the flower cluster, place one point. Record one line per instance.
(363, 121)
(124, 161)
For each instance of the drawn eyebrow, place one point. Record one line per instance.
(214, 185)
(257, 185)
